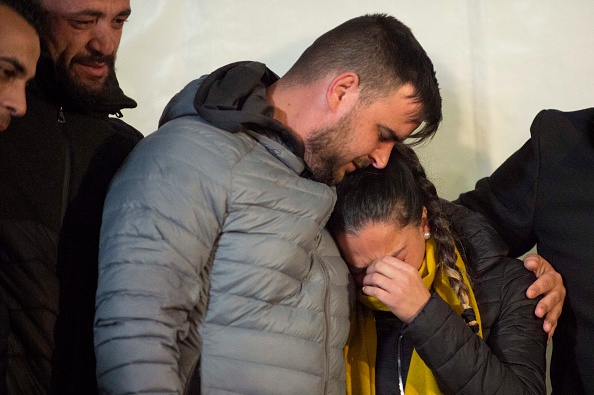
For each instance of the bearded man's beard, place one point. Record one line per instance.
(324, 150)
(84, 93)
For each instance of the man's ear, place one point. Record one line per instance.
(343, 92)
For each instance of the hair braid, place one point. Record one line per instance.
(398, 194)
(444, 238)
(442, 234)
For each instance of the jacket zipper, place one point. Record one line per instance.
(67, 166)
(327, 322)
(61, 116)
(399, 352)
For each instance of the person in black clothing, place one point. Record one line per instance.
(56, 163)
(543, 195)
(421, 321)
(21, 22)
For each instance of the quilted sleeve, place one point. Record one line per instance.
(510, 360)
(162, 216)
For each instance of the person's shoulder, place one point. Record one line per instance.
(507, 279)
(512, 269)
(557, 135)
(555, 120)
(575, 114)
(126, 130)
(193, 130)
(478, 242)
(191, 145)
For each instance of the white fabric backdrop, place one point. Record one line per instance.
(498, 62)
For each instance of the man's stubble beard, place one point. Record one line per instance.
(325, 148)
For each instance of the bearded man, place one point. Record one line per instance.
(216, 274)
(55, 165)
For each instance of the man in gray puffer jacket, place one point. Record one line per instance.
(216, 274)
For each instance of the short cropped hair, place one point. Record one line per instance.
(385, 55)
(31, 11)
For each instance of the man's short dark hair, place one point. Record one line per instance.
(385, 55)
(31, 11)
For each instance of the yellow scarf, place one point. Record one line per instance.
(361, 347)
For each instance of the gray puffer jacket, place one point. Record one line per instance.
(216, 274)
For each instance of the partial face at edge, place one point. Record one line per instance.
(85, 36)
(364, 136)
(19, 52)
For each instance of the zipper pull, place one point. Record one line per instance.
(400, 378)
(61, 117)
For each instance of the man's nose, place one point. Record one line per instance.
(379, 157)
(105, 39)
(13, 98)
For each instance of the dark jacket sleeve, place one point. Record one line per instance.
(511, 357)
(4, 332)
(508, 197)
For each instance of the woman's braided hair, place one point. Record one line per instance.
(398, 194)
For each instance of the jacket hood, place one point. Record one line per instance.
(233, 98)
(48, 83)
(182, 104)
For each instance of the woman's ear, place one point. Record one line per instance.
(425, 228)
